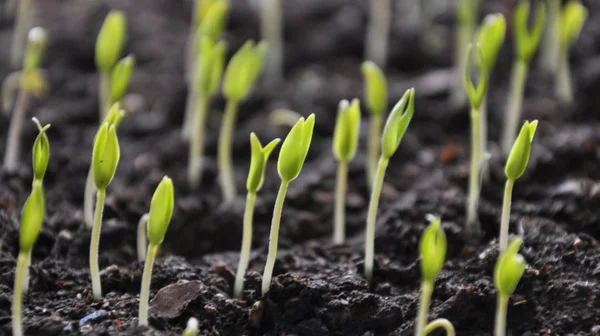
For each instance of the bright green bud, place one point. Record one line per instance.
(465, 11)
(32, 217)
(36, 45)
(258, 162)
(105, 156)
(121, 75)
(521, 149)
(490, 38)
(432, 249)
(347, 129)
(115, 115)
(571, 20)
(214, 21)
(161, 210)
(242, 70)
(110, 40)
(375, 88)
(509, 269)
(210, 66)
(41, 152)
(527, 41)
(476, 95)
(397, 124)
(295, 148)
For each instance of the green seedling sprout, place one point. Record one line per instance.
(571, 20)
(376, 100)
(256, 176)
(22, 26)
(209, 72)
(378, 31)
(32, 218)
(515, 167)
(239, 79)
(109, 45)
(476, 98)
(192, 328)
(395, 128)
(466, 14)
(507, 273)
(31, 82)
(141, 237)
(432, 249)
(345, 142)
(161, 211)
(284, 117)
(271, 28)
(120, 78)
(105, 159)
(291, 159)
(526, 44)
(549, 59)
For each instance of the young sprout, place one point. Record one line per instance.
(291, 159)
(526, 43)
(395, 128)
(476, 97)
(22, 25)
(507, 273)
(515, 167)
(378, 31)
(549, 59)
(192, 328)
(467, 12)
(121, 75)
(208, 77)
(161, 211)
(105, 159)
(239, 79)
(109, 44)
(32, 217)
(571, 20)
(376, 101)
(141, 237)
(345, 141)
(271, 27)
(256, 175)
(31, 81)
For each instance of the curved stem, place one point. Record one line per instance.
(373, 146)
(226, 176)
(246, 245)
(473, 197)
(274, 237)
(514, 107)
(26, 275)
(141, 237)
(339, 230)
(17, 323)
(13, 143)
(440, 323)
(372, 218)
(508, 187)
(425, 299)
(104, 95)
(501, 309)
(94, 268)
(88, 199)
(145, 291)
(196, 149)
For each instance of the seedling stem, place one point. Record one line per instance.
(246, 245)
(22, 25)
(104, 94)
(226, 175)
(378, 31)
(564, 88)
(272, 31)
(440, 323)
(551, 36)
(474, 187)
(18, 294)
(13, 144)
(501, 309)
(514, 107)
(372, 218)
(426, 291)
(373, 146)
(145, 291)
(94, 269)
(141, 237)
(340, 204)
(506, 214)
(197, 144)
(274, 237)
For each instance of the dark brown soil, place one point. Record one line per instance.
(318, 288)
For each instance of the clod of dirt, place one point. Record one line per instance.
(171, 301)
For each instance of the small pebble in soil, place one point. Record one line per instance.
(256, 313)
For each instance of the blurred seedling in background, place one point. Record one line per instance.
(467, 12)
(22, 26)
(378, 32)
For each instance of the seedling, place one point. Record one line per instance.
(432, 249)
(109, 45)
(121, 75)
(526, 44)
(466, 14)
(376, 100)
(22, 25)
(571, 20)
(256, 176)
(378, 31)
(161, 211)
(508, 272)
(515, 167)
(476, 97)
(395, 128)
(291, 159)
(549, 59)
(192, 328)
(31, 82)
(32, 218)
(271, 27)
(141, 237)
(105, 159)
(345, 141)
(239, 79)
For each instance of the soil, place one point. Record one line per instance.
(318, 288)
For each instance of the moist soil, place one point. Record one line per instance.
(317, 288)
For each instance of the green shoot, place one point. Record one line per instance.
(22, 25)
(378, 31)
(515, 167)
(256, 176)
(105, 158)
(271, 27)
(526, 44)
(571, 20)
(109, 44)
(467, 12)
(161, 211)
(291, 159)
(549, 51)
(440, 323)
(121, 75)
(191, 328)
(345, 142)
(376, 101)
(507, 273)
(284, 117)
(476, 97)
(239, 79)
(141, 237)
(395, 128)
(31, 82)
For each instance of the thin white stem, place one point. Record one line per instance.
(272, 31)
(508, 187)
(373, 146)
(88, 198)
(141, 237)
(22, 25)
(13, 144)
(378, 31)
(145, 291)
(372, 218)
(563, 84)
(550, 45)
(473, 198)
(426, 291)
(501, 309)
(515, 105)
(339, 230)
(196, 148)
(104, 95)
(483, 120)
(274, 237)
(94, 268)
(226, 176)
(26, 275)
(17, 323)
(464, 35)
(440, 323)
(246, 245)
